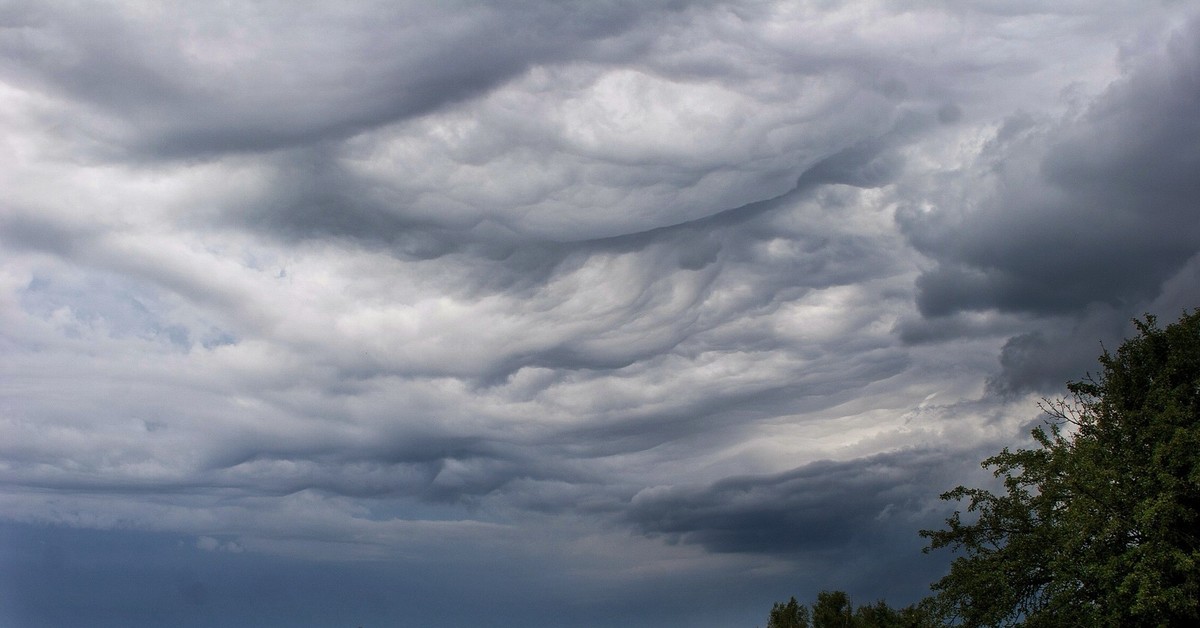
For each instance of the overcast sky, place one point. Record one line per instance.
(535, 314)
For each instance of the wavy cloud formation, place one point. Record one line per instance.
(577, 301)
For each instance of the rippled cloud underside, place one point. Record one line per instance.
(535, 314)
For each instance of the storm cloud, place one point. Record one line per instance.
(625, 313)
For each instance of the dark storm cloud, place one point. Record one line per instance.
(313, 196)
(208, 83)
(866, 164)
(1083, 223)
(563, 296)
(818, 507)
(1046, 360)
(427, 467)
(1099, 209)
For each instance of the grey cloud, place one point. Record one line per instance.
(719, 254)
(315, 194)
(721, 415)
(566, 189)
(918, 330)
(556, 289)
(1079, 225)
(312, 196)
(818, 507)
(1106, 214)
(427, 467)
(1033, 362)
(28, 229)
(869, 163)
(1045, 360)
(289, 78)
(436, 464)
(318, 198)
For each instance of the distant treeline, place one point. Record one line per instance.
(833, 609)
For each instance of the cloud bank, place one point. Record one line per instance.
(564, 301)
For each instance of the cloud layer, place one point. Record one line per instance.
(585, 299)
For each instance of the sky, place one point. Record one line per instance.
(536, 314)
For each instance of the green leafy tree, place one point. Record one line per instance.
(832, 610)
(789, 615)
(877, 615)
(880, 615)
(1098, 525)
(917, 616)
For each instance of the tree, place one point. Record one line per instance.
(880, 615)
(789, 615)
(1098, 525)
(832, 610)
(877, 615)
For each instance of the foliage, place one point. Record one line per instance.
(790, 615)
(832, 609)
(1098, 525)
(880, 615)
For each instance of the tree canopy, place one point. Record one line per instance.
(832, 609)
(1098, 525)
(790, 615)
